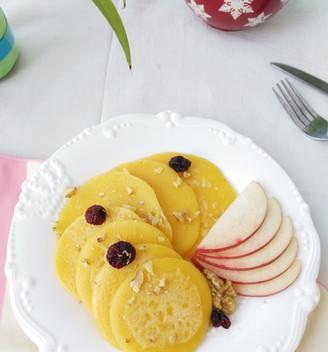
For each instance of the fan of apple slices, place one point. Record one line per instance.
(252, 244)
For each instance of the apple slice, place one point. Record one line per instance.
(262, 236)
(262, 257)
(273, 286)
(239, 222)
(264, 273)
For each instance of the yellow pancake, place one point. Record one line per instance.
(109, 280)
(92, 255)
(177, 199)
(213, 190)
(114, 189)
(75, 236)
(169, 312)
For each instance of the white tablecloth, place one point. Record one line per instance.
(71, 75)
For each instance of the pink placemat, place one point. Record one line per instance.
(13, 171)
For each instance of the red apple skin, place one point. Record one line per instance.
(282, 282)
(263, 236)
(216, 250)
(239, 222)
(226, 22)
(269, 253)
(266, 272)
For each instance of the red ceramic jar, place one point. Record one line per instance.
(234, 15)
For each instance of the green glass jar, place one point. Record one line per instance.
(8, 49)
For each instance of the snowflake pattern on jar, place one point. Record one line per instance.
(252, 22)
(199, 10)
(237, 7)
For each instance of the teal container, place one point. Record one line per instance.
(8, 49)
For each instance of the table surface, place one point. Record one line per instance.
(72, 74)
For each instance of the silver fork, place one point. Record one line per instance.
(301, 112)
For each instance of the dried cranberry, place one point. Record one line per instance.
(179, 163)
(95, 215)
(120, 254)
(218, 318)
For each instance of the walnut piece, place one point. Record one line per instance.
(69, 192)
(137, 282)
(223, 293)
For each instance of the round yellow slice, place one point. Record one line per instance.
(109, 280)
(75, 236)
(93, 254)
(177, 199)
(170, 310)
(213, 190)
(114, 189)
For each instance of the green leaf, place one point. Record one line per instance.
(108, 9)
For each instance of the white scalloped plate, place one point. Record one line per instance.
(57, 323)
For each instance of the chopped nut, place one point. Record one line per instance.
(101, 194)
(153, 220)
(171, 339)
(141, 202)
(85, 262)
(131, 300)
(69, 192)
(129, 190)
(179, 216)
(186, 174)
(223, 293)
(149, 267)
(189, 219)
(158, 170)
(137, 282)
(157, 290)
(177, 183)
(162, 282)
(161, 239)
(100, 239)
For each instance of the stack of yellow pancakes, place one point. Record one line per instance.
(157, 300)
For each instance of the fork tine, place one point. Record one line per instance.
(291, 104)
(306, 108)
(288, 94)
(290, 111)
(304, 102)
